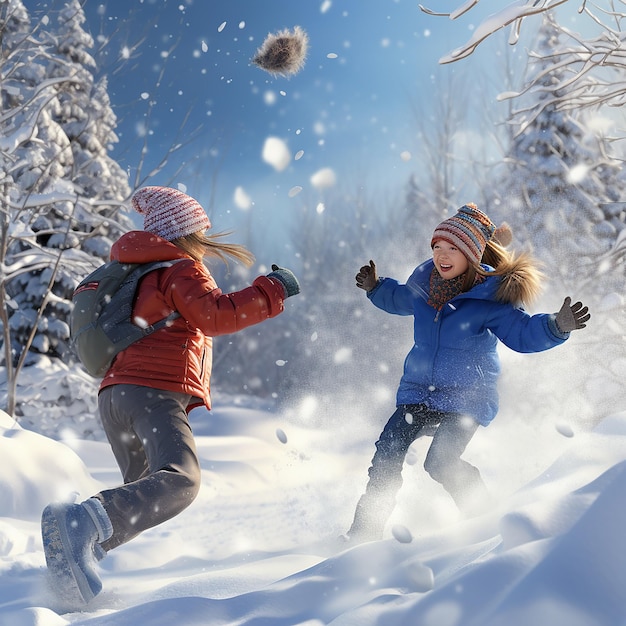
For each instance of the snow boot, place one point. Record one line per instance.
(70, 534)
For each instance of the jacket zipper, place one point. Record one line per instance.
(436, 331)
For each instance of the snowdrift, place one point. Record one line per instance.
(260, 545)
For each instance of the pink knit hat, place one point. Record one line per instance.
(469, 230)
(169, 213)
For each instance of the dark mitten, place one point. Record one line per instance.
(572, 316)
(287, 278)
(367, 278)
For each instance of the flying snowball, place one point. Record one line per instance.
(280, 434)
(578, 173)
(343, 355)
(242, 200)
(283, 53)
(276, 153)
(324, 178)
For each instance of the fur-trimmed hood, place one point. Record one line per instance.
(520, 282)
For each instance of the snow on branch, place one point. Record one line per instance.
(594, 68)
(617, 253)
(511, 14)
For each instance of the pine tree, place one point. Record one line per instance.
(563, 193)
(562, 184)
(62, 193)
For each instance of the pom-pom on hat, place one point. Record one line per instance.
(469, 230)
(169, 213)
(503, 235)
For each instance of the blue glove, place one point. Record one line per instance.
(287, 278)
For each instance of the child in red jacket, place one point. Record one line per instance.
(150, 387)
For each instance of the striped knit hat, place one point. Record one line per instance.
(469, 230)
(169, 213)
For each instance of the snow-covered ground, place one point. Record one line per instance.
(260, 544)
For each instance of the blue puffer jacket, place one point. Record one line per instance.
(453, 365)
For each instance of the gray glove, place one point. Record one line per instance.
(572, 316)
(367, 278)
(287, 278)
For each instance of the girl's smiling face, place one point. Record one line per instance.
(449, 260)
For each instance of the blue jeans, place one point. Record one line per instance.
(451, 433)
(154, 447)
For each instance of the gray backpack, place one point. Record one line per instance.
(101, 322)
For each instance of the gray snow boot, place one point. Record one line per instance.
(70, 534)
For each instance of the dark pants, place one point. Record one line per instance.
(154, 447)
(452, 433)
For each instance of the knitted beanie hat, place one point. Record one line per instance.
(469, 230)
(169, 213)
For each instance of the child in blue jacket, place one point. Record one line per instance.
(463, 300)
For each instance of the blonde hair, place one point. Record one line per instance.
(521, 276)
(200, 245)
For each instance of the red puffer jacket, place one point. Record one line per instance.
(178, 357)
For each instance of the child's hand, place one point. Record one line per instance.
(287, 278)
(366, 278)
(572, 316)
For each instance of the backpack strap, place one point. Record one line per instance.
(121, 334)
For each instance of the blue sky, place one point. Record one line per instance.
(353, 113)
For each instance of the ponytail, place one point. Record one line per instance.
(521, 277)
(200, 245)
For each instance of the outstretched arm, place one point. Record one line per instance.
(533, 333)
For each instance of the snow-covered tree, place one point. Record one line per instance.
(61, 192)
(595, 64)
(564, 189)
(563, 193)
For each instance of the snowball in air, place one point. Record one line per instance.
(276, 153)
(242, 199)
(578, 173)
(283, 53)
(269, 97)
(324, 178)
(280, 434)
(343, 355)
